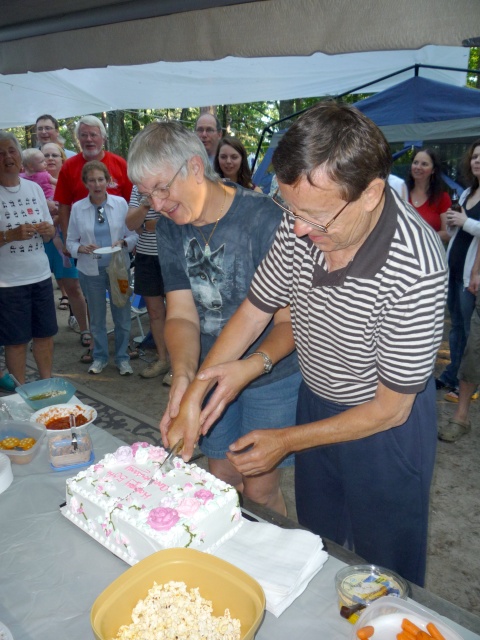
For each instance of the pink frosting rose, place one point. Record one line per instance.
(187, 507)
(162, 518)
(139, 445)
(204, 495)
(157, 454)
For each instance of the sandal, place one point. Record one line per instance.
(87, 357)
(85, 338)
(454, 430)
(133, 353)
(63, 303)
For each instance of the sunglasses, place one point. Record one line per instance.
(100, 216)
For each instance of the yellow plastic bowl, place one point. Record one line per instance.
(226, 586)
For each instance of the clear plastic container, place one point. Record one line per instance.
(360, 585)
(386, 616)
(45, 393)
(19, 429)
(62, 450)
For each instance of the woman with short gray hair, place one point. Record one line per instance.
(211, 237)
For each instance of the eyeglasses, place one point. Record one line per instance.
(52, 155)
(208, 130)
(100, 217)
(323, 228)
(162, 193)
(45, 128)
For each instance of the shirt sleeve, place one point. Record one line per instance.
(63, 192)
(270, 289)
(171, 256)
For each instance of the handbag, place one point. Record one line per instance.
(120, 289)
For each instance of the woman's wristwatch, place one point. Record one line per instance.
(267, 362)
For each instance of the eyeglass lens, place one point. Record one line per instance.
(209, 130)
(44, 128)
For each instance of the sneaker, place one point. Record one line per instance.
(124, 368)
(155, 368)
(73, 324)
(167, 380)
(97, 366)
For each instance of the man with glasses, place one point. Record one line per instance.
(209, 130)
(91, 135)
(365, 279)
(47, 130)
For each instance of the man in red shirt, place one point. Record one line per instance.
(91, 135)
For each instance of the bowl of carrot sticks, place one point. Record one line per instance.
(391, 618)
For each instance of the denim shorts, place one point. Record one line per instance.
(148, 277)
(27, 312)
(56, 263)
(272, 406)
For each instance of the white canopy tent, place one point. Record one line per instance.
(84, 56)
(232, 80)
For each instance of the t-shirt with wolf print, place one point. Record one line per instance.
(220, 278)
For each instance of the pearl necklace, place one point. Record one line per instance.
(207, 251)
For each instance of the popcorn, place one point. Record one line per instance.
(170, 611)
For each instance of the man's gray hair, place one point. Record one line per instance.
(91, 121)
(165, 144)
(6, 135)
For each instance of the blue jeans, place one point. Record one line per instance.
(461, 304)
(271, 406)
(94, 289)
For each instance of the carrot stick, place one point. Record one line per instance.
(407, 625)
(365, 632)
(423, 635)
(434, 632)
(404, 635)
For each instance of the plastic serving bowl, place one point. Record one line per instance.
(63, 411)
(20, 430)
(45, 393)
(226, 586)
(360, 585)
(386, 615)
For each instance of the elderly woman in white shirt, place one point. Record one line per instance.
(99, 221)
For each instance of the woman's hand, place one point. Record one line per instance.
(119, 243)
(258, 451)
(456, 218)
(231, 378)
(474, 283)
(180, 420)
(87, 248)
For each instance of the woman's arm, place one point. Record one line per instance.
(136, 218)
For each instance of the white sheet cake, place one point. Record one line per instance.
(187, 507)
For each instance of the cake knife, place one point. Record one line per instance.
(167, 464)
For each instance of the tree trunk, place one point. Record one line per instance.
(286, 108)
(117, 137)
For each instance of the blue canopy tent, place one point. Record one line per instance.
(420, 109)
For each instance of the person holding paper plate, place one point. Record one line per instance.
(96, 230)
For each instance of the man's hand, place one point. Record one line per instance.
(258, 451)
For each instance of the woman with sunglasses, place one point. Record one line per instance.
(211, 237)
(99, 221)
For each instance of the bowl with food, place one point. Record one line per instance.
(196, 589)
(390, 618)
(20, 440)
(57, 417)
(45, 393)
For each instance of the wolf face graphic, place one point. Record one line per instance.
(206, 275)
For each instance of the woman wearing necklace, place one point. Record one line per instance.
(427, 191)
(27, 306)
(99, 221)
(211, 237)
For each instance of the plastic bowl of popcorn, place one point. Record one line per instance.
(217, 581)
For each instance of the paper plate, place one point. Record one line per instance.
(5, 633)
(102, 251)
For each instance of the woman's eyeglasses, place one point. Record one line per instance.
(162, 193)
(322, 227)
(52, 155)
(100, 217)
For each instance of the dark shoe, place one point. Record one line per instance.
(85, 338)
(87, 357)
(440, 384)
(63, 303)
(133, 353)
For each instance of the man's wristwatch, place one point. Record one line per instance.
(267, 363)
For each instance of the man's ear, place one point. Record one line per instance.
(373, 194)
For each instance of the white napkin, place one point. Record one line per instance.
(283, 561)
